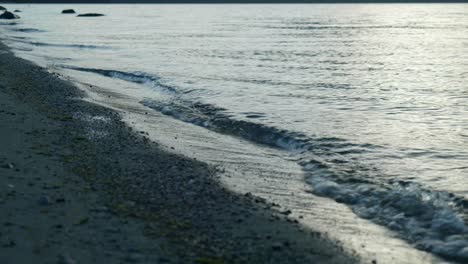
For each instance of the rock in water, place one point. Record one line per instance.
(17, 11)
(2, 8)
(90, 15)
(8, 15)
(68, 11)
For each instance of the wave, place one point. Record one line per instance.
(27, 30)
(18, 37)
(8, 23)
(134, 77)
(22, 49)
(348, 27)
(430, 220)
(79, 46)
(216, 118)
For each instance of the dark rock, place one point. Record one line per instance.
(44, 200)
(90, 15)
(277, 246)
(8, 224)
(8, 15)
(287, 212)
(2, 8)
(68, 11)
(17, 11)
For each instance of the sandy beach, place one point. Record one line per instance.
(79, 186)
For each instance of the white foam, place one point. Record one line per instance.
(427, 219)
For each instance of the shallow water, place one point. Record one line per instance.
(367, 100)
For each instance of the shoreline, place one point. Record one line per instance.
(176, 202)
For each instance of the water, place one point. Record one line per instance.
(369, 100)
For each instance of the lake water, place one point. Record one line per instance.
(370, 101)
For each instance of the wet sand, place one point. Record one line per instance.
(79, 185)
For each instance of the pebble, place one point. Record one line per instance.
(44, 200)
(8, 243)
(112, 230)
(65, 259)
(277, 246)
(9, 166)
(288, 212)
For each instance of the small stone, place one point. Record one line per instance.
(8, 166)
(8, 243)
(8, 224)
(112, 230)
(65, 259)
(277, 246)
(83, 221)
(44, 200)
(129, 204)
(288, 212)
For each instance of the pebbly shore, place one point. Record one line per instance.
(80, 186)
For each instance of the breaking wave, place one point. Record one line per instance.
(134, 77)
(430, 220)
